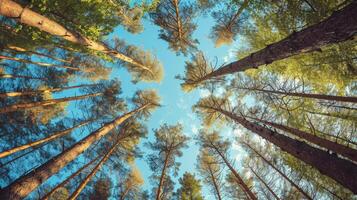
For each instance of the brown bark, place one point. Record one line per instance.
(93, 172)
(63, 183)
(23, 106)
(329, 145)
(42, 64)
(280, 172)
(350, 99)
(21, 76)
(214, 183)
(16, 94)
(26, 16)
(21, 187)
(265, 184)
(339, 27)
(341, 170)
(162, 177)
(178, 18)
(38, 142)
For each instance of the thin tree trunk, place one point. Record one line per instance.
(329, 145)
(158, 192)
(280, 172)
(334, 114)
(215, 183)
(341, 170)
(21, 187)
(238, 13)
(265, 184)
(47, 139)
(123, 195)
(42, 64)
(242, 184)
(16, 94)
(23, 106)
(12, 76)
(339, 27)
(178, 18)
(351, 99)
(63, 183)
(26, 16)
(93, 172)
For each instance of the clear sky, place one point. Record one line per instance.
(176, 104)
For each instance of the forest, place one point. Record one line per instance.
(178, 99)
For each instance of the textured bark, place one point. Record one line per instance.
(23, 106)
(38, 142)
(339, 27)
(63, 183)
(280, 172)
(42, 64)
(329, 145)
(265, 184)
(93, 172)
(162, 177)
(178, 18)
(26, 16)
(351, 99)
(16, 94)
(21, 187)
(341, 170)
(21, 76)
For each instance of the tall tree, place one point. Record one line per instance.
(342, 23)
(190, 188)
(168, 144)
(130, 187)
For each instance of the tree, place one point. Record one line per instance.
(175, 19)
(341, 23)
(264, 183)
(212, 107)
(190, 188)
(130, 187)
(146, 101)
(169, 140)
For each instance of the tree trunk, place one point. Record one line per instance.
(339, 27)
(215, 183)
(47, 139)
(26, 16)
(158, 192)
(21, 187)
(265, 184)
(242, 184)
(23, 106)
(178, 18)
(238, 13)
(280, 172)
(341, 170)
(63, 183)
(351, 99)
(329, 145)
(42, 64)
(93, 172)
(21, 76)
(16, 94)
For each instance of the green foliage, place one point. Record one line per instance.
(190, 188)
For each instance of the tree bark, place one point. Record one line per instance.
(339, 27)
(47, 139)
(265, 184)
(350, 99)
(214, 183)
(341, 170)
(21, 187)
(16, 94)
(93, 172)
(26, 16)
(42, 64)
(63, 183)
(21, 76)
(23, 106)
(178, 18)
(280, 172)
(158, 192)
(329, 145)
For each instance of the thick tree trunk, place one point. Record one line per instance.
(215, 185)
(240, 181)
(341, 170)
(38, 142)
(93, 172)
(329, 145)
(351, 99)
(23, 106)
(16, 94)
(21, 187)
(21, 76)
(26, 16)
(280, 172)
(265, 184)
(162, 177)
(42, 64)
(339, 27)
(63, 183)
